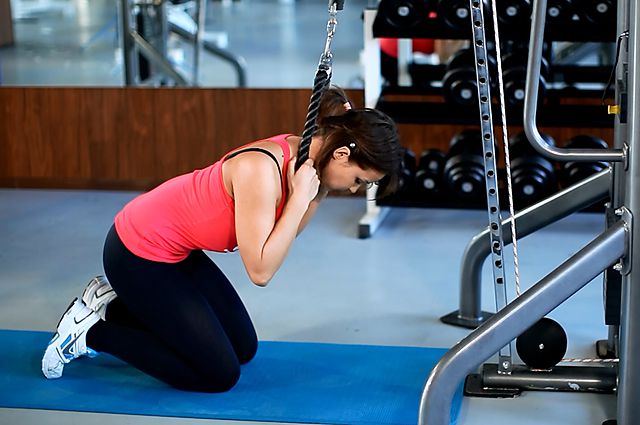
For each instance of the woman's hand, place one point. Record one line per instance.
(304, 183)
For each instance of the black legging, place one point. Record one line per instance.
(182, 323)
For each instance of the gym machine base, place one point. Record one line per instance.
(491, 383)
(515, 318)
(613, 247)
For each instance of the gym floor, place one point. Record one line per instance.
(390, 289)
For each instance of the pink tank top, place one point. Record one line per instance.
(188, 212)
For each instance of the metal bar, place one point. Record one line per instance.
(629, 387)
(128, 46)
(531, 100)
(490, 168)
(156, 58)
(238, 62)
(375, 214)
(201, 7)
(566, 202)
(599, 379)
(514, 319)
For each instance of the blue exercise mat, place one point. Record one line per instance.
(286, 382)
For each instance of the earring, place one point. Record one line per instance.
(352, 145)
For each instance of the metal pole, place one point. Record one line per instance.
(560, 205)
(157, 58)
(128, 47)
(514, 319)
(201, 12)
(629, 387)
(238, 62)
(531, 100)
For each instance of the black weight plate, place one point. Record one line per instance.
(432, 160)
(460, 86)
(469, 140)
(543, 345)
(559, 11)
(598, 11)
(403, 14)
(455, 14)
(514, 13)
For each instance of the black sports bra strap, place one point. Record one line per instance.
(236, 153)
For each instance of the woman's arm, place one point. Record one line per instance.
(313, 207)
(263, 242)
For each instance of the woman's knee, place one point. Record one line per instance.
(248, 351)
(220, 382)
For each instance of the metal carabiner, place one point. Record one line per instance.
(327, 57)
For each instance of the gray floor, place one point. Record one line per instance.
(75, 43)
(389, 289)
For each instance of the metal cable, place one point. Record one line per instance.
(578, 360)
(505, 139)
(507, 161)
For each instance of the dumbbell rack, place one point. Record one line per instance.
(400, 101)
(431, 19)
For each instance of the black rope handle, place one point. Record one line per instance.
(320, 84)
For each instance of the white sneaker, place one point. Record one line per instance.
(98, 294)
(70, 339)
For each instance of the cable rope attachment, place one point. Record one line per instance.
(321, 82)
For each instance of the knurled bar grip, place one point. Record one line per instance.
(491, 176)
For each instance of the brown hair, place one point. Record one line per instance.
(374, 134)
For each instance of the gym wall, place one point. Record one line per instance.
(135, 138)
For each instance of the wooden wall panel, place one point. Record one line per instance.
(36, 146)
(134, 138)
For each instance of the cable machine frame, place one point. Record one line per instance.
(613, 247)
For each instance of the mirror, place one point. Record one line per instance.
(250, 43)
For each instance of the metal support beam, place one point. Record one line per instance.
(514, 319)
(629, 386)
(536, 44)
(568, 201)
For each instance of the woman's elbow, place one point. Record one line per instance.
(260, 278)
